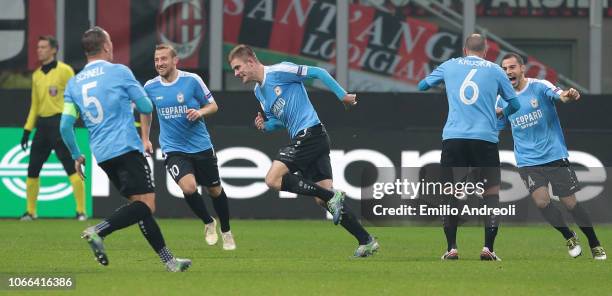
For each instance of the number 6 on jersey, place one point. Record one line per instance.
(471, 84)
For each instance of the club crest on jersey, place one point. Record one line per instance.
(180, 97)
(534, 103)
(278, 91)
(53, 90)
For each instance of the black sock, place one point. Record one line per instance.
(351, 224)
(491, 221)
(584, 222)
(123, 217)
(450, 222)
(196, 203)
(152, 233)
(591, 236)
(552, 214)
(222, 209)
(450, 231)
(297, 184)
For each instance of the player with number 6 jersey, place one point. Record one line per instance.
(472, 86)
(470, 136)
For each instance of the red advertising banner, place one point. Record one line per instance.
(387, 52)
(498, 8)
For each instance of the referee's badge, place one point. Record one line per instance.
(277, 91)
(534, 103)
(53, 90)
(180, 97)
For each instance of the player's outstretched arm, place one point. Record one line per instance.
(423, 85)
(330, 82)
(434, 78)
(569, 95)
(349, 100)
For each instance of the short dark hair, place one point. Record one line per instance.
(52, 41)
(93, 40)
(515, 55)
(476, 43)
(166, 46)
(241, 51)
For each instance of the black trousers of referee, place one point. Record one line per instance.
(47, 138)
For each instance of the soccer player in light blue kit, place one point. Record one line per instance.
(541, 154)
(470, 136)
(103, 94)
(182, 101)
(284, 100)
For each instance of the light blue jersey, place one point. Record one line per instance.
(172, 100)
(472, 86)
(538, 138)
(103, 94)
(283, 97)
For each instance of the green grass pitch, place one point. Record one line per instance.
(286, 257)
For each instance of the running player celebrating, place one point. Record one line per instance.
(541, 154)
(284, 100)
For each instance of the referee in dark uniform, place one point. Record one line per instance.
(48, 83)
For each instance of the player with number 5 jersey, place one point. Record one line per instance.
(103, 93)
(470, 136)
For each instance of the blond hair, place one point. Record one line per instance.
(166, 46)
(241, 51)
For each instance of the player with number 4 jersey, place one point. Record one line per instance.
(470, 136)
(541, 154)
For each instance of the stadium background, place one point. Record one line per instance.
(384, 48)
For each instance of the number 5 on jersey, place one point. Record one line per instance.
(89, 100)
